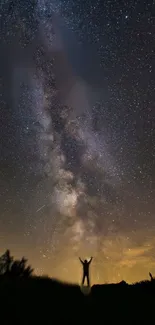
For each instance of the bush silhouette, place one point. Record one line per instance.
(9, 266)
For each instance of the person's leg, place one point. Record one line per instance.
(88, 281)
(83, 279)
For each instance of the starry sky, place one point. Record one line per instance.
(77, 136)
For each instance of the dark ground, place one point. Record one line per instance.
(44, 301)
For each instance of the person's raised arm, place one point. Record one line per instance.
(90, 259)
(80, 260)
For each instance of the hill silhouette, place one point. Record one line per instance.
(32, 299)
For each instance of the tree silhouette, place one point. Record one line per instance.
(19, 268)
(9, 266)
(5, 262)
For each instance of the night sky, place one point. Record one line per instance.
(77, 136)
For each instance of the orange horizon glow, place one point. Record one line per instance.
(119, 258)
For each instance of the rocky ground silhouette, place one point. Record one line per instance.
(29, 299)
(35, 299)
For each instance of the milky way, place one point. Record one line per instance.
(77, 136)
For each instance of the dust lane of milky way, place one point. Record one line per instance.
(77, 136)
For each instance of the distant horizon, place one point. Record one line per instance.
(69, 277)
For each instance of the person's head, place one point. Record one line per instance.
(85, 261)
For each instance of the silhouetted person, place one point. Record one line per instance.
(86, 264)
